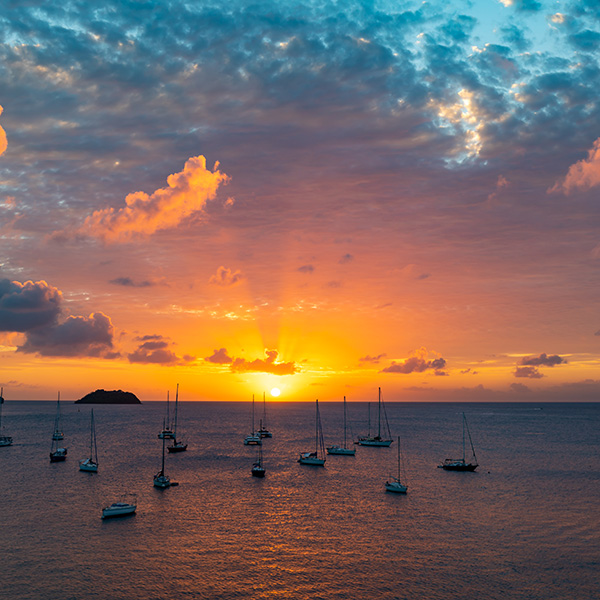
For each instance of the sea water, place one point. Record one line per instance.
(524, 526)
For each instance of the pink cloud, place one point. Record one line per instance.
(3, 141)
(225, 277)
(583, 175)
(188, 192)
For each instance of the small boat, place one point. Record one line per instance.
(58, 434)
(342, 450)
(254, 438)
(177, 445)
(461, 464)
(160, 479)
(5, 440)
(377, 440)
(57, 453)
(91, 464)
(118, 509)
(263, 432)
(258, 469)
(167, 432)
(393, 484)
(316, 458)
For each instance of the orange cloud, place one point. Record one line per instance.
(225, 277)
(187, 193)
(583, 175)
(3, 142)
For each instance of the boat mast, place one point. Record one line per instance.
(252, 413)
(470, 440)
(162, 467)
(176, 403)
(168, 420)
(379, 416)
(1, 403)
(464, 421)
(317, 429)
(345, 447)
(93, 425)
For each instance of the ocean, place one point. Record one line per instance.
(524, 526)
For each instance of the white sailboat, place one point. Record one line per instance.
(5, 440)
(343, 450)
(461, 464)
(254, 438)
(122, 508)
(262, 430)
(316, 458)
(57, 453)
(377, 440)
(167, 432)
(177, 446)
(58, 434)
(91, 464)
(394, 484)
(160, 479)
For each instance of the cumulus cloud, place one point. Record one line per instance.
(3, 141)
(187, 193)
(583, 175)
(76, 336)
(219, 357)
(155, 350)
(267, 365)
(527, 372)
(225, 277)
(26, 306)
(543, 360)
(417, 362)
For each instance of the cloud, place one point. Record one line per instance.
(128, 282)
(267, 365)
(583, 175)
(528, 372)
(26, 306)
(3, 141)
(187, 193)
(372, 359)
(219, 357)
(76, 336)
(519, 388)
(225, 277)
(156, 351)
(543, 360)
(347, 258)
(416, 363)
(306, 269)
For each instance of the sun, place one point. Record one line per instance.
(275, 392)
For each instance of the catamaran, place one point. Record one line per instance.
(460, 464)
(377, 440)
(5, 440)
(316, 458)
(254, 438)
(339, 449)
(177, 445)
(393, 484)
(91, 464)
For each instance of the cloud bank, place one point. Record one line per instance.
(187, 193)
(155, 350)
(258, 365)
(418, 362)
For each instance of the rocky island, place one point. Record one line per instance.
(109, 397)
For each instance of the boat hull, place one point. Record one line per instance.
(395, 487)
(258, 471)
(6, 440)
(265, 434)
(379, 442)
(177, 448)
(252, 440)
(59, 455)
(118, 509)
(166, 435)
(311, 459)
(458, 467)
(161, 481)
(88, 465)
(341, 451)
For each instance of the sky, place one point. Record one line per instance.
(320, 197)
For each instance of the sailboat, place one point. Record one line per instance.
(258, 469)
(58, 434)
(460, 464)
(167, 432)
(57, 453)
(263, 432)
(177, 446)
(91, 464)
(254, 438)
(316, 458)
(377, 440)
(342, 450)
(393, 484)
(5, 440)
(160, 479)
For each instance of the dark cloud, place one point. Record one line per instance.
(417, 363)
(519, 388)
(527, 372)
(543, 360)
(76, 336)
(26, 306)
(219, 357)
(347, 258)
(128, 282)
(156, 351)
(267, 365)
(372, 359)
(306, 269)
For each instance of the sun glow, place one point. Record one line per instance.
(275, 392)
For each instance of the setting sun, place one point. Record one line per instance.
(275, 392)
